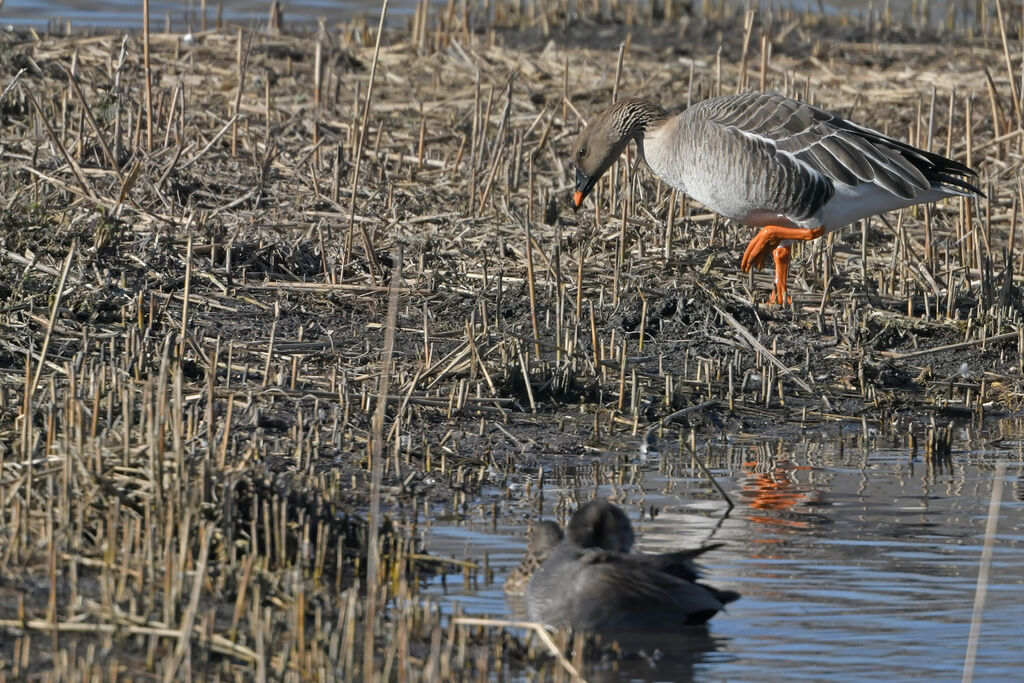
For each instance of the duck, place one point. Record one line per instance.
(543, 537)
(590, 581)
(600, 524)
(766, 160)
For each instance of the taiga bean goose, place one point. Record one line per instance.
(601, 587)
(769, 161)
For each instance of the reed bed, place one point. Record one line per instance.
(238, 268)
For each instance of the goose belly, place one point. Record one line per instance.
(851, 203)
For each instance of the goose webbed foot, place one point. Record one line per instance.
(769, 241)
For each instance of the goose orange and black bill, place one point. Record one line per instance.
(584, 184)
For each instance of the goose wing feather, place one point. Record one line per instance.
(832, 146)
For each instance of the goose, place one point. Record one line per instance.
(604, 588)
(769, 161)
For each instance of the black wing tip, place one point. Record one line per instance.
(939, 165)
(953, 181)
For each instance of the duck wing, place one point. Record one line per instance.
(618, 591)
(679, 563)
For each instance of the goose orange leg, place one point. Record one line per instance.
(767, 242)
(779, 296)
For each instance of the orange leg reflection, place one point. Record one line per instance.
(776, 491)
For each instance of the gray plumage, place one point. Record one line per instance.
(766, 159)
(602, 587)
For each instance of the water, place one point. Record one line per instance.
(852, 565)
(127, 14)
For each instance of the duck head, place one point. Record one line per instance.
(599, 524)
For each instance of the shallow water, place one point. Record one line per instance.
(127, 14)
(861, 563)
(183, 14)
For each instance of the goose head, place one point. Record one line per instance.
(601, 142)
(596, 149)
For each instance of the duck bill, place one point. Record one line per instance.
(584, 184)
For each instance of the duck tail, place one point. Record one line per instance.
(725, 596)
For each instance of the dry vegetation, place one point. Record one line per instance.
(194, 303)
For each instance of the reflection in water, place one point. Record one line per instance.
(851, 563)
(655, 657)
(777, 491)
